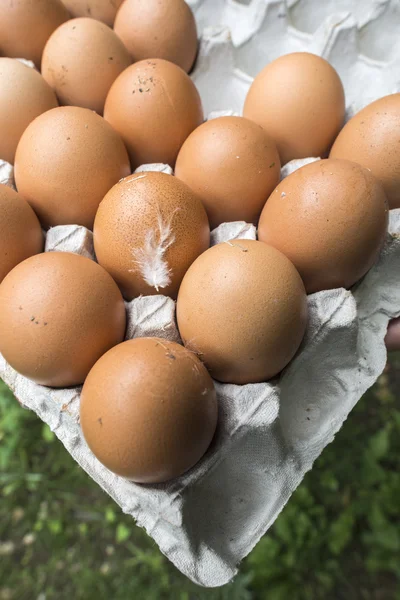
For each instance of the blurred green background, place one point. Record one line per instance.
(338, 538)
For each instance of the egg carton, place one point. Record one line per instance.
(268, 434)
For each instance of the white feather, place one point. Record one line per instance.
(150, 260)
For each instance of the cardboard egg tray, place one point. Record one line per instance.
(269, 434)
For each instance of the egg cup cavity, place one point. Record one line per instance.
(7, 174)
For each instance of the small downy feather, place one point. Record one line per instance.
(150, 259)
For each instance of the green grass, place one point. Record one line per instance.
(61, 537)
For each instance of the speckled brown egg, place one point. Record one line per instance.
(26, 25)
(81, 61)
(149, 229)
(148, 410)
(299, 100)
(66, 161)
(330, 219)
(102, 10)
(154, 105)
(155, 29)
(24, 96)
(21, 235)
(59, 312)
(242, 308)
(233, 165)
(371, 139)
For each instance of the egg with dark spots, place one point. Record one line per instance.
(148, 429)
(59, 312)
(154, 106)
(148, 230)
(66, 161)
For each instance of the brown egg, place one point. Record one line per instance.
(24, 96)
(148, 410)
(66, 161)
(154, 106)
(59, 312)
(371, 139)
(155, 29)
(233, 165)
(21, 234)
(26, 25)
(102, 10)
(392, 339)
(242, 308)
(299, 100)
(330, 219)
(81, 61)
(149, 229)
